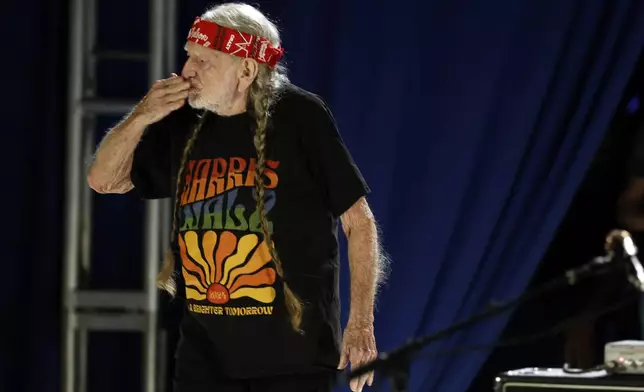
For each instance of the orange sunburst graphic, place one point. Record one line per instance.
(219, 268)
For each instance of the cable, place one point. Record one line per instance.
(395, 364)
(520, 340)
(403, 355)
(566, 369)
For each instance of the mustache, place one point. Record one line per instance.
(194, 83)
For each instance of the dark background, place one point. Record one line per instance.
(579, 238)
(495, 137)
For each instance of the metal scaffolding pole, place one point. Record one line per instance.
(72, 197)
(152, 214)
(83, 308)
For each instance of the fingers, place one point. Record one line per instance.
(170, 93)
(363, 381)
(168, 82)
(358, 348)
(358, 358)
(354, 384)
(357, 384)
(176, 87)
(344, 359)
(165, 96)
(167, 106)
(176, 105)
(178, 96)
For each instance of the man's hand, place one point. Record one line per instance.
(358, 348)
(110, 170)
(165, 96)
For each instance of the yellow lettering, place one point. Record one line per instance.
(231, 311)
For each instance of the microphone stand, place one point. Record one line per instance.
(396, 364)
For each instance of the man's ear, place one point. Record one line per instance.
(247, 73)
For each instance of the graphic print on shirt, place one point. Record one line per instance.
(223, 254)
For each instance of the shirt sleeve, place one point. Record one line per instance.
(330, 161)
(151, 171)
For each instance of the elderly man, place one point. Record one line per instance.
(260, 176)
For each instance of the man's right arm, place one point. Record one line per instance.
(110, 170)
(112, 164)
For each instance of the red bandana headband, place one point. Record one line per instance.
(236, 43)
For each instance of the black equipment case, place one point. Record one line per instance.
(557, 380)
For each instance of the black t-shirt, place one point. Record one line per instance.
(235, 323)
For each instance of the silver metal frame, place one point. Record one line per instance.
(130, 310)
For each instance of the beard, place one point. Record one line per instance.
(196, 99)
(217, 103)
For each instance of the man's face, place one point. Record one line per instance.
(213, 78)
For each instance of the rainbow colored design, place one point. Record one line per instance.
(218, 268)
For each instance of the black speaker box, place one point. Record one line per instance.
(558, 380)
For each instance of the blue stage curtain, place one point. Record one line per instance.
(473, 122)
(33, 113)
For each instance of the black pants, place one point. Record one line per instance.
(323, 382)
